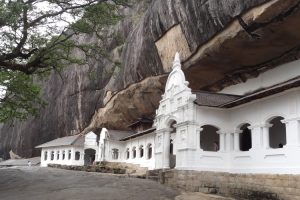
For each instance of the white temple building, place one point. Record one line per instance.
(250, 127)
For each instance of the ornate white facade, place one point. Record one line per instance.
(251, 127)
(266, 149)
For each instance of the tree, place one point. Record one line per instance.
(38, 36)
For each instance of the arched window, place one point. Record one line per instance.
(46, 155)
(149, 147)
(63, 155)
(209, 138)
(245, 138)
(57, 155)
(77, 155)
(127, 154)
(141, 151)
(134, 152)
(173, 127)
(277, 133)
(69, 154)
(115, 154)
(52, 155)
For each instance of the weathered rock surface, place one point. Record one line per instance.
(221, 42)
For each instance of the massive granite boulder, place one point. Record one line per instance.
(220, 42)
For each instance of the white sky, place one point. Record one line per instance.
(46, 31)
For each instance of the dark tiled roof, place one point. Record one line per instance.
(213, 99)
(118, 135)
(143, 120)
(77, 140)
(138, 134)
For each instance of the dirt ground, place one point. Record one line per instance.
(35, 183)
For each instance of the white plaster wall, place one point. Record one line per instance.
(269, 78)
(259, 159)
(136, 142)
(90, 139)
(66, 161)
(177, 105)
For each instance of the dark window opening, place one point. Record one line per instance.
(69, 154)
(245, 138)
(277, 133)
(127, 154)
(149, 151)
(115, 154)
(77, 155)
(141, 151)
(133, 152)
(52, 155)
(209, 138)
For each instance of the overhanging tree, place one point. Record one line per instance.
(37, 36)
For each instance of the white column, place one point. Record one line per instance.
(292, 132)
(42, 155)
(48, 155)
(236, 141)
(198, 140)
(222, 141)
(256, 137)
(228, 142)
(55, 155)
(266, 137)
(166, 149)
(60, 154)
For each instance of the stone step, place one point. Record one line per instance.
(153, 172)
(201, 196)
(154, 178)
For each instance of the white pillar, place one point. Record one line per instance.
(166, 149)
(256, 137)
(222, 141)
(266, 137)
(60, 154)
(42, 155)
(198, 139)
(228, 142)
(292, 132)
(236, 141)
(48, 155)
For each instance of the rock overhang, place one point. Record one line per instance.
(257, 40)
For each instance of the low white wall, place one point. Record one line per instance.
(61, 161)
(260, 158)
(129, 144)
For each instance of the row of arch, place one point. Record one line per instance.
(60, 156)
(133, 152)
(210, 139)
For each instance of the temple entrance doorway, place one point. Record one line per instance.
(89, 156)
(172, 153)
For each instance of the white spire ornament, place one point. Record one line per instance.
(176, 62)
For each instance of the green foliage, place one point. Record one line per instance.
(22, 96)
(96, 17)
(33, 43)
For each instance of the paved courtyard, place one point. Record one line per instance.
(35, 183)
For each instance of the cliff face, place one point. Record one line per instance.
(221, 43)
